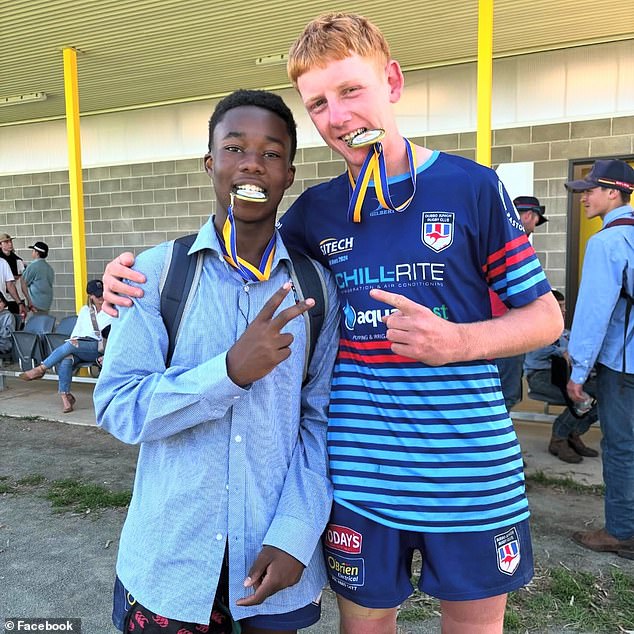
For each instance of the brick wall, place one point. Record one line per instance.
(136, 206)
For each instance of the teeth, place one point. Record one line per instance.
(348, 137)
(250, 192)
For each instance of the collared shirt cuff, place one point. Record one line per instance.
(294, 537)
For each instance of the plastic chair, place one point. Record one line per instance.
(66, 325)
(29, 344)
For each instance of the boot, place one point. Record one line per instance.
(36, 373)
(574, 440)
(559, 447)
(68, 401)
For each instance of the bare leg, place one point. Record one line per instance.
(484, 616)
(356, 619)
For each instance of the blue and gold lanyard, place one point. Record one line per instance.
(229, 248)
(374, 167)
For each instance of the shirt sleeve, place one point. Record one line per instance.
(304, 506)
(601, 281)
(137, 399)
(510, 264)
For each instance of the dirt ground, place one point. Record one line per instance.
(61, 564)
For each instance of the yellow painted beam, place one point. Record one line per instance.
(485, 81)
(73, 140)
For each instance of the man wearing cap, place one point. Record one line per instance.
(531, 214)
(603, 333)
(39, 277)
(11, 275)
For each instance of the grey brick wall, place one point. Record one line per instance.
(136, 206)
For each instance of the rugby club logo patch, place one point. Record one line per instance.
(437, 229)
(507, 546)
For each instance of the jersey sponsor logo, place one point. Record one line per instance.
(438, 229)
(346, 571)
(406, 273)
(343, 538)
(333, 246)
(373, 317)
(508, 551)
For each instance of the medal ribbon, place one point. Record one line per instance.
(230, 252)
(374, 167)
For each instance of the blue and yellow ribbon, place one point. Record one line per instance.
(374, 168)
(230, 253)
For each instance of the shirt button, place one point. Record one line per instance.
(246, 288)
(227, 487)
(219, 536)
(238, 438)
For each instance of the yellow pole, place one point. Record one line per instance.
(485, 81)
(73, 139)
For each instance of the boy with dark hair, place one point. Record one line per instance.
(231, 493)
(422, 452)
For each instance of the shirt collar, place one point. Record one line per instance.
(207, 238)
(619, 212)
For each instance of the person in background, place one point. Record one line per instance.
(86, 343)
(603, 334)
(9, 262)
(39, 278)
(565, 442)
(7, 253)
(531, 215)
(7, 326)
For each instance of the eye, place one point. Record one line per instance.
(233, 148)
(272, 154)
(317, 105)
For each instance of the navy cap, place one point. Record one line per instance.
(40, 247)
(611, 173)
(530, 203)
(95, 287)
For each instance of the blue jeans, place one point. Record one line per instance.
(67, 356)
(616, 407)
(565, 424)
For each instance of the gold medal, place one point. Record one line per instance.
(367, 138)
(250, 195)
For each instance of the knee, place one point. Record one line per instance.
(357, 619)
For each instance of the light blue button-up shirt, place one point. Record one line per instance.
(218, 464)
(598, 326)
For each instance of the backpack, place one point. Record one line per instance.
(181, 282)
(624, 294)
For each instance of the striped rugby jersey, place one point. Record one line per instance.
(412, 446)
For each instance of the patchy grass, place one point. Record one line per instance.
(81, 496)
(557, 598)
(67, 495)
(564, 484)
(32, 480)
(75, 495)
(576, 601)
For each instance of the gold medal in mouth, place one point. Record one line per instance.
(368, 137)
(250, 193)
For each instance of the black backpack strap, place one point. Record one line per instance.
(176, 287)
(309, 282)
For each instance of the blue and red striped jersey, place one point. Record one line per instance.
(413, 446)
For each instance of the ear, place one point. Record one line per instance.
(290, 176)
(208, 163)
(395, 80)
